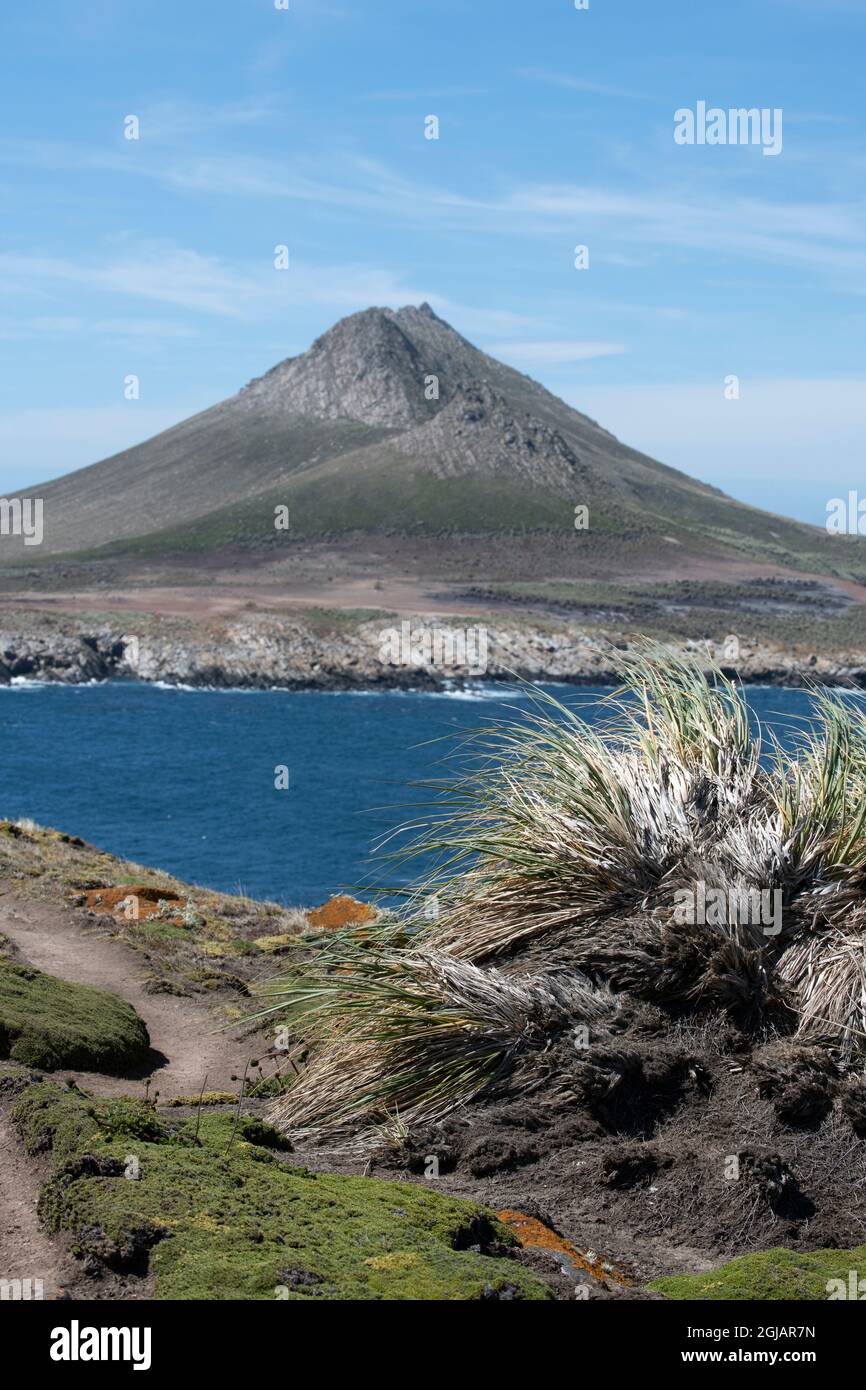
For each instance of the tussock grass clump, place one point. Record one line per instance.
(664, 853)
(421, 1032)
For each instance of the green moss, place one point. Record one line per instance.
(206, 1098)
(222, 1130)
(133, 1119)
(278, 942)
(771, 1274)
(54, 1121)
(162, 931)
(220, 950)
(214, 1222)
(46, 1022)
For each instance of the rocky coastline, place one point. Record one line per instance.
(342, 652)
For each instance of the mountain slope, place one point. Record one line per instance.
(392, 421)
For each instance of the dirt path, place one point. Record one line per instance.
(26, 1253)
(187, 1040)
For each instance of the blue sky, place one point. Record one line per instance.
(305, 127)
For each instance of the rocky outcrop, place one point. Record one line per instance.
(272, 651)
(53, 656)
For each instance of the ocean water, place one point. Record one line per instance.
(183, 780)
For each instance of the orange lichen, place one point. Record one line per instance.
(136, 902)
(535, 1235)
(340, 912)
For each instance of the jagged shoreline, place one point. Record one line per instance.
(341, 652)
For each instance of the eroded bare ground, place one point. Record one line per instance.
(639, 1175)
(400, 572)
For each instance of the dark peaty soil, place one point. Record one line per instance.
(663, 1146)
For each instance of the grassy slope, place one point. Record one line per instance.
(219, 1216)
(336, 478)
(397, 497)
(393, 501)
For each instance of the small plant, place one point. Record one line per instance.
(394, 1132)
(238, 1110)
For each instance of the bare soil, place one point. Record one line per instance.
(400, 573)
(25, 1251)
(221, 597)
(669, 1147)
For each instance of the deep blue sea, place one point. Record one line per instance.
(183, 780)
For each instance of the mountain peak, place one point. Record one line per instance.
(369, 367)
(424, 311)
(389, 420)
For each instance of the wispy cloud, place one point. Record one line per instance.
(172, 120)
(820, 236)
(579, 84)
(249, 292)
(184, 278)
(52, 326)
(554, 352)
(824, 236)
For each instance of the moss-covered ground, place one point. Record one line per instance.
(214, 1210)
(773, 1274)
(50, 1023)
